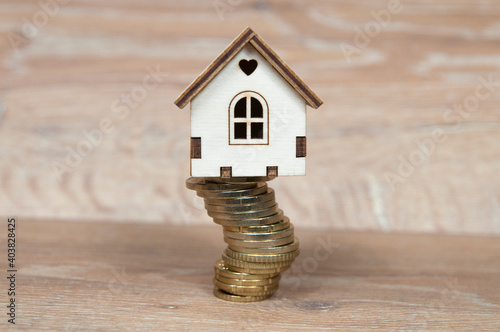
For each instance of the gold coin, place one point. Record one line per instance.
(241, 179)
(268, 250)
(221, 269)
(238, 298)
(245, 215)
(240, 208)
(267, 196)
(259, 236)
(282, 224)
(245, 290)
(242, 282)
(259, 244)
(262, 258)
(229, 261)
(271, 219)
(261, 188)
(200, 184)
(252, 270)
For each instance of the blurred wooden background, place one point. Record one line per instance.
(67, 67)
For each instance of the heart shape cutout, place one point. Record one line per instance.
(248, 66)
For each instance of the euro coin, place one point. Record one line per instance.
(240, 208)
(245, 290)
(259, 189)
(255, 221)
(268, 250)
(259, 244)
(268, 228)
(264, 197)
(221, 269)
(245, 215)
(252, 270)
(202, 184)
(254, 265)
(243, 282)
(260, 258)
(238, 298)
(259, 236)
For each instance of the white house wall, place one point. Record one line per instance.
(209, 120)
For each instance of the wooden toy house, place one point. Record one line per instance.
(248, 113)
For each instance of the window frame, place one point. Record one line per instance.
(249, 120)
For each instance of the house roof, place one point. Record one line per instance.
(248, 36)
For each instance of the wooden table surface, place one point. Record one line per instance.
(407, 141)
(65, 68)
(109, 276)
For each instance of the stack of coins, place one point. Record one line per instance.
(260, 238)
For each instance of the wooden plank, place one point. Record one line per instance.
(226, 172)
(132, 276)
(272, 171)
(196, 147)
(301, 147)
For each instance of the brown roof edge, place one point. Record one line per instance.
(248, 35)
(214, 68)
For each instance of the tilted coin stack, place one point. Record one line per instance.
(260, 238)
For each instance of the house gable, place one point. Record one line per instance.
(246, 37)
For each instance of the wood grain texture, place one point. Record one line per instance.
(86, 60)
(110, 276)
(300, 146)
(195, 147)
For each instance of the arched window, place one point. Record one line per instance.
(248, 119)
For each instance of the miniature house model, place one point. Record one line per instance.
(248, 113)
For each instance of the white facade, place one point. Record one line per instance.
(211, 121)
